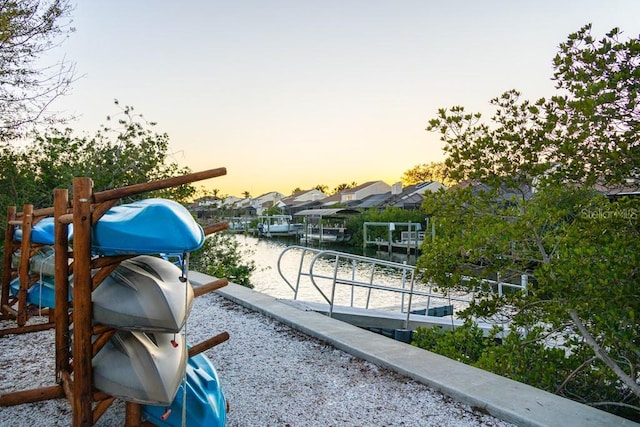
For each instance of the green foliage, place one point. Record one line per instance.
(434, 171)
(465, 343)
(528, 207)
(221, 256)
(586, 134)
(355, 223)
(130, 154)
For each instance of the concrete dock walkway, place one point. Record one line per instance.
(502, 398)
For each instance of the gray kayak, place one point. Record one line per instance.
(144, 293)
(42, 262)
(141, 367)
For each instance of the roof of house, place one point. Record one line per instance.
(327, 212)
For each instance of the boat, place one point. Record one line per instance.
(274, 225)
(41, 232)
(42, 262)
(144, 227)
(148, 226)
(205, 403)
(326, 234)
(41, 293)
(141, 367)
(144, 293)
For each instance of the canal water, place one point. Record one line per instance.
(266, 279)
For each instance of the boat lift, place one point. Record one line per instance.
(410, 240)
(351, 288)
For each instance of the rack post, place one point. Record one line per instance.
(82, 287)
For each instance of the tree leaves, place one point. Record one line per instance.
(526, 204)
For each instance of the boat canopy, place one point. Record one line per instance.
(337, 212)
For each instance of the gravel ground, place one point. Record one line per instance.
(272, 375)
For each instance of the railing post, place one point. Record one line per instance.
(333, 288)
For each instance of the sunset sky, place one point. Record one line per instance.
(295, 93)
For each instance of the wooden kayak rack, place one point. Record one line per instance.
(73, 366)
(25, 248)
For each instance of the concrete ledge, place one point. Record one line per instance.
(503, 398)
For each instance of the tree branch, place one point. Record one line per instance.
(603, 355)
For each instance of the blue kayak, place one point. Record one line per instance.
(41, 232)
(145, 227)
(205, 401)
(41, 294)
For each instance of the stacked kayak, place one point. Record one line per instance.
(41, 264)
(141, 367)
(205, 401)
(144, 293)
(147, 300)
(149, 226)
(41, 232)
(41, 293)
(144, 227)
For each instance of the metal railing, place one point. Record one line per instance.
(371, 274)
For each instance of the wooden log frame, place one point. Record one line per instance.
(88, 207)
(85, 211)
(26, 220)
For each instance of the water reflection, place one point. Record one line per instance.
(265, 253)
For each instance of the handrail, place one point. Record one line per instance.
(339, 264)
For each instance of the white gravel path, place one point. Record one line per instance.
(272, 375)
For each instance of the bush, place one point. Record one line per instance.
(222, 256)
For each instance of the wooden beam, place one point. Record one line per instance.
(101, 407)
(208, 343)
(214, 228)
(209, 287)
(30, 396)
(67, 386)
(133, 414)
(27, 329)
(161, 184)
(25, 248)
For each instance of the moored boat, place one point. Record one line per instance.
(273, 225)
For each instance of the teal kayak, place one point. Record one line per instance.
(149, 226)
(41, 294)
(144, 227)
(41, 232)
(206, 405)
